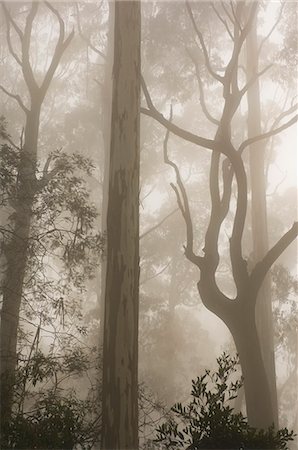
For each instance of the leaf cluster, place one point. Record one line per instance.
(208, 420)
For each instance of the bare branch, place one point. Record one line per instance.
(201, 91)
(15, 97)
(188, 136)
(158, 224)
(182, 200)
(227, 12)
(272, 29)
(223, 22)
(235, 19)
(85, 38)
(59, 50)
(254, 79)
(26, 65)
(10, 19)
(267, 135)
(183, 134)
(8, 38)
(156, 274)
(201, 39)
(284, 114)
(261, 268)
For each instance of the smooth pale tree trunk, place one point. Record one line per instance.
(106, 133)
(120, 352)
(16, 253)
(264, 317)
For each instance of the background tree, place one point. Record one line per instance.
(17, 251)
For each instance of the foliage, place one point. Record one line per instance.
(56, 422)
(208, 420)
(47, 413)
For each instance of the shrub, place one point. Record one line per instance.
(208, 420)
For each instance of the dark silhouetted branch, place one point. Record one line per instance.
(182, 200)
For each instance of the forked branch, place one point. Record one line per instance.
(186, 135)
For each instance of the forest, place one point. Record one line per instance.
(148, 224)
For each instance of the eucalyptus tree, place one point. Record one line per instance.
(120, 350)
(28, 185)
(227, 171)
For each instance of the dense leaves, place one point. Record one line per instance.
(208, 420)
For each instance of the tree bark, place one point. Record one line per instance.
(264, 318)
(120, 353)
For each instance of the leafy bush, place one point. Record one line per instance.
(55, 423)
(208, 421)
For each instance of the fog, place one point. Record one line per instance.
(217, 190)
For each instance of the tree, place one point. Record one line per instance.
(28, 185)
(120, 352)
(260, 240)
(226, 164)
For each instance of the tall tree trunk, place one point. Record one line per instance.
(106, 133)
(120, 353)
(16, 253)
(264, 317)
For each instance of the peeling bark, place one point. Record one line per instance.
(120, 355)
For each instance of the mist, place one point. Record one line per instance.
(148, 224)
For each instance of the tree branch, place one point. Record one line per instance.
(182, 200)
(26, 65)
(8, 38)
(10, 19)
(254, 79)
(272, 29)
(201, 39)
(261, 269)
(59, 50)
(201, 91)
(188, 136)
(223, 22)
(15, 97)
(270, 133)
(85, 39)
(158, 224)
